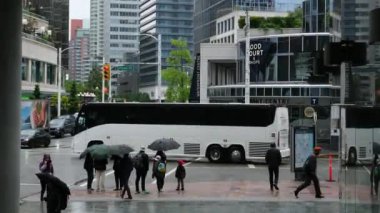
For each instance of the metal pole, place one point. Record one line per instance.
(59, 81)
(342, 82)
(247, 68)
(10, 86)
(159, 68)
(104, 61)
(110, 85)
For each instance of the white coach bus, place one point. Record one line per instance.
(360, 131)
(233, 132)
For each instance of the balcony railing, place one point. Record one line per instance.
(37, 38)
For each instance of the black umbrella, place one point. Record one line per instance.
(119, 150)
(164, 144)
(48, 178)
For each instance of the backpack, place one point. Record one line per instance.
(377, 171)
(161, 167)
(138, 161)
(306, 165)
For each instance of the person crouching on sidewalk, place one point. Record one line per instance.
(180, 174)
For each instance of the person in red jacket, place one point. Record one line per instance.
(310, 168)
(180, 174)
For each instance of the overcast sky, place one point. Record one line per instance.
(79, 9)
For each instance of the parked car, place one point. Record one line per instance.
(60, 126)
(35, 137)
(72, 117)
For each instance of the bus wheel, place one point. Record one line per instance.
(352, 157)
(236, 154)
(215, 154)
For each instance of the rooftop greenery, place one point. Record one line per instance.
(293, 20)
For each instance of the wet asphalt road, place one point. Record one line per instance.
(70, 169)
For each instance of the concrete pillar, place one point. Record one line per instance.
(45, 72)
(29, 70)
(10, 84)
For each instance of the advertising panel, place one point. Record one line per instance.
(303, 145)
(261, 53)
(34, 114)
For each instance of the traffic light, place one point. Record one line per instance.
(106, 72)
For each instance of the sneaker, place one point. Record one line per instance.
(177, 189)
(183, 189)
(319, 196)
(146, 192)
(276, 187)
(296, 194)
(116, 189)
(137, 192)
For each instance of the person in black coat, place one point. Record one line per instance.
(142, 167)
(273, 159)
(89, 167)
(100, 166)
(180, 174)
(310, 168)
(117, 172)
(158, 172)
(375, 175)
(126, 170)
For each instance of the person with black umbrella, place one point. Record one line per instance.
(89, 165)
(57, 193)
(273, 159)
(126, 166)
(117, 172)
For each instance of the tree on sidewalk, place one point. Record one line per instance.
(94, 83)
(175, 75)
(73, 99)
(37, 92)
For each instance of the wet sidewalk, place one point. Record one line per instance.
(231, 190)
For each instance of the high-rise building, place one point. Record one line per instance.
(350, 21)
(315, 16)
(74, 25)
(114, 31)
(207, 11)
(57, 14)
(96, 28)
(173, 19)
(80, 55)
(114, 28)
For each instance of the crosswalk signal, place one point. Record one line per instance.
(106, 72)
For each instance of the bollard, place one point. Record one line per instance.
(330, 169)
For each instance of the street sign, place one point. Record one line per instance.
(125, 68)
(314, 101)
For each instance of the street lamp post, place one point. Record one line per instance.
(60, 51)
(247, 65)
(158, 39)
